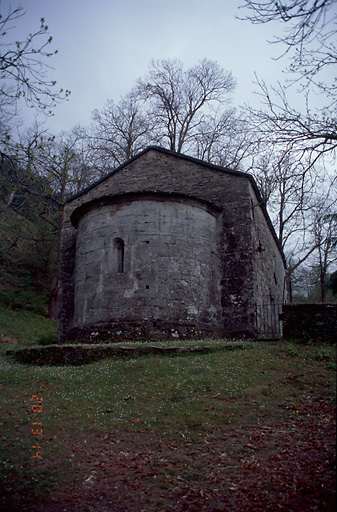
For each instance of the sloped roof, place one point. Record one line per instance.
(209, 166)
(159, 149)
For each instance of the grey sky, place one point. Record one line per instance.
(105, 45)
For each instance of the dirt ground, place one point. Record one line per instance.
(288, 467)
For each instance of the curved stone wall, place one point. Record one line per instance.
(149, 259)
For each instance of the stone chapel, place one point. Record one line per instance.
(168, 246)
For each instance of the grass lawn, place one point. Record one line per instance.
(25, 327)
(244, 430)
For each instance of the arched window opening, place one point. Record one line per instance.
(119, 255)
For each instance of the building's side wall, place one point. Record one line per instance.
(237, 267)
(66, 275)
(171, 271)
(268, 278)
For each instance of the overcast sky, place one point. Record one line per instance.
(105, 45)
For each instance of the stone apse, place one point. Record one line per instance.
(167, 246)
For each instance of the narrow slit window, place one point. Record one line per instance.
(119, 255)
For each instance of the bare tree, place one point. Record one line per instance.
(305, 138)
(119, 132)
(287, 189)
(305, 16)
(178, 101)
(309, 138)
(23, 78)
(314, 277)
(16, 164)
(42, 171)
(223, 139)
(309, 34)
(303, 284)
(325, 231)
(23, 68)
(308, 29)
(60, 162)
(182, 110)
(292, 193)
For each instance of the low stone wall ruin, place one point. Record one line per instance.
(305, 322)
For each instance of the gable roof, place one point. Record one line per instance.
(209, 166)
(213, 167)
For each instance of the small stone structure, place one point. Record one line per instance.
(167, 245)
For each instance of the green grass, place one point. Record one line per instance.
(25, 326)
(174, 398)
(186, 402)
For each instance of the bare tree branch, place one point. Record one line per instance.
(177, 99)
(23, 68)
